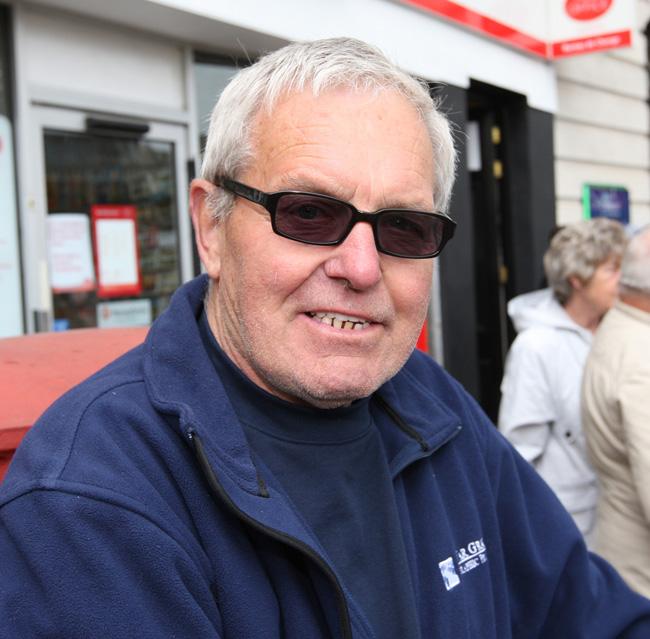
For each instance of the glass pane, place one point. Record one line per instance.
(210, 80)
(84, 170)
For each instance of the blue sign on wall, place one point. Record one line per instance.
(601, 200)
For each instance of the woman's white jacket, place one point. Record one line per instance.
(540, 402)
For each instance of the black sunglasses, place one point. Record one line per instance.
(312, 218)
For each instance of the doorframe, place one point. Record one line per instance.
(38, 297)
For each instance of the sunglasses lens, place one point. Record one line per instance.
(317, 219)
(311, 218)
(410, 233)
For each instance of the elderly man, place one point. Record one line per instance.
(275, 461)
(616, 417)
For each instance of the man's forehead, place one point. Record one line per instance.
(325, 103)
(332, 142)
(340, 115)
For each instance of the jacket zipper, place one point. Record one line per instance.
(397, 419)
(426, 448)
(215, 486)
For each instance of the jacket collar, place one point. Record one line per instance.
(181, 380)
(431, 422)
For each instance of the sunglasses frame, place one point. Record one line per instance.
(269, 201)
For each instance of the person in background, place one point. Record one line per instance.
(540, 393)
(616, 420)
(277, 461)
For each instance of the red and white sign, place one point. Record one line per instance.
(547, 28)
(117, 255)
(586, 9)
(584, 26)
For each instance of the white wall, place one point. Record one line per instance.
(68, 53)
(602, 125)
(418, 41)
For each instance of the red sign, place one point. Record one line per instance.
(550, 30)
(589, 45)
(117, 254)
(468, 17)
(586, 9)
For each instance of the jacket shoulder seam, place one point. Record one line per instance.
(86, 408)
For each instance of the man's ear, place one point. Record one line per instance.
(208, 231)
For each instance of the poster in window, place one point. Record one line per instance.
(117, 256)
(69, 253)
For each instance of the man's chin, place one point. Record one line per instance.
(326, 384)
(334, 394)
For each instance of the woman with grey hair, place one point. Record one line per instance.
(540, 392)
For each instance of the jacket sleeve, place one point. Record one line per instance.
(635, 412)
(556, 587)
(526, 411)
(75, 566)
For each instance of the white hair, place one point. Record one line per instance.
(321, 65)
(635, 268)
(578, 250)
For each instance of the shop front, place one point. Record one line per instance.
(112, 110)
(117, 232)
(105, 150)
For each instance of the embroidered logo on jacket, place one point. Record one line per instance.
(449, 574)
(471, 556)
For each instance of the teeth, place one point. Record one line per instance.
(341, 321)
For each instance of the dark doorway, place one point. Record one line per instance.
(489, 169)
(504, 203)
(511, 177)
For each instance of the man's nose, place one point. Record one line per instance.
(356, 259)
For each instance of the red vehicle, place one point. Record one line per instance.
(36, 369)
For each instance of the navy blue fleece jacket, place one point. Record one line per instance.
(133, 509)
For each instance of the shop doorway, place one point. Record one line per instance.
(488, 177)
(510, 167)
(504, 204)
(114, 227)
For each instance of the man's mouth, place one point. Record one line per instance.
(335, 320)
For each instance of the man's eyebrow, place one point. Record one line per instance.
(294, 183)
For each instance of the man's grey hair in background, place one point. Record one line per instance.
(321, 66)
(635, 269)
(577, 250)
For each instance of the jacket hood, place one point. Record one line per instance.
(540, 308)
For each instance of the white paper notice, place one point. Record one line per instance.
(124, 313)
(69, 252)
(117, 255)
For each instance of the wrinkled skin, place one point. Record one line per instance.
(370, 150)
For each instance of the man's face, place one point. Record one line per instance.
(324, 325)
